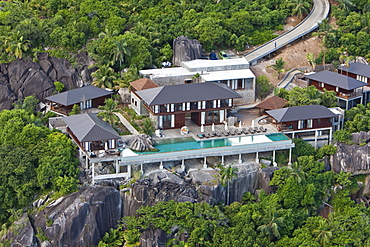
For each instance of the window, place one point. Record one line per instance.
(309, 123)
(132, 100)
(319, 120)
(135, 103)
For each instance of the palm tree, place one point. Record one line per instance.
(148, 127)
(120, 51)
(104, 77)
(325, 30)
(271, 225)
(346, 5)
(227, 174)
(323, 233)
(132, 238)
(278, 66)
(311, 60)
(16, 46)
(346, 59)
(300, 8)
(108, 110)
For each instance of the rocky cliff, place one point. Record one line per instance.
(185, 49)
(22, 78)
(353, 158)
(81, 218)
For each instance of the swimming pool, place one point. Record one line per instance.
(189, 143)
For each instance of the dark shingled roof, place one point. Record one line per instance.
(75, 96)
(358, 69)
(192, 92)
(296, 113)
(88, 127)
(336, 80)
(143, 83)
(273, 102)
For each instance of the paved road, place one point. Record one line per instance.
(319, 12)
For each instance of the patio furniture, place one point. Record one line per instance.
(207, 135)
(252, 130)
(256, 129)
(239, 131)
(263, 129)
(200, 136)
(225, 133)
(245, 131)
(218, 134)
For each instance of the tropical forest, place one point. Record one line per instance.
(305, 203)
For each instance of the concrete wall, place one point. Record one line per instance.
(164, 81)
(138, 106)
(248, 97)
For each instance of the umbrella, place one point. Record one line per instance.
(213, 126)
(226, 127)
(140, 143)
(240, 124)
(202, 128)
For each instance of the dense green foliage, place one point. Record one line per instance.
(33, 158)
(290, 217)
(263, 87)
(135, 33)
(352, 33)
(308, 96)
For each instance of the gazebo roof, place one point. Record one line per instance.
(143, 83)
(296, 113)
(88, 128)
(272, 103)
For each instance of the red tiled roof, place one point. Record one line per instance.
(272, 103)
(143, 83)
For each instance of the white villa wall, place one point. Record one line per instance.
(138, 107)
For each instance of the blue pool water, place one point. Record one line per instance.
(189, 143)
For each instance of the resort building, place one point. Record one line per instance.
(136, 102)
(85, 97)
(204, 103)
(91, 133)
(234, 73)
(349, 91)
(271, 103)
(306, 121)
(359, 71)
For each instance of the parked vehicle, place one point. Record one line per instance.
(223, 55)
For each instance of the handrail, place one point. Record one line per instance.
(280, 45)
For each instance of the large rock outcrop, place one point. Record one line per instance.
(80, 218)
(22, 78)
(185, 49)
(353, 158)
(21, 234)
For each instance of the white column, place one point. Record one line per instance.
(160, 121)
(87, 162)
(183, 106)
(273, 158)
(222, 116)
(315, 139)
(293, 135)
(205, 162)
(156, 109)
(203, 104)
(93, 173)
(257, 159)
(188, 106)
(230, 102)
(199, 105)
(117, 166)
(141, 168)
(202, 118)
(161, 166)
(168, 108)
(290, 157)
(173, 120)
(218, 103)
(240, 158)
(223, 160)
(330, 135)
(129, 171)
(215, 104)
(183, 165)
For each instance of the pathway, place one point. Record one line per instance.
(319, 12)
(126, 123)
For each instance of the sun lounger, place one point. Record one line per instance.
(252, 130)
(263, 129)
(207, 135)
(232, 132)
(226, 133)
(239, 131)
(245, 131)
(218, 134)
(200, 136)
(213, 134)
(256, 129)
